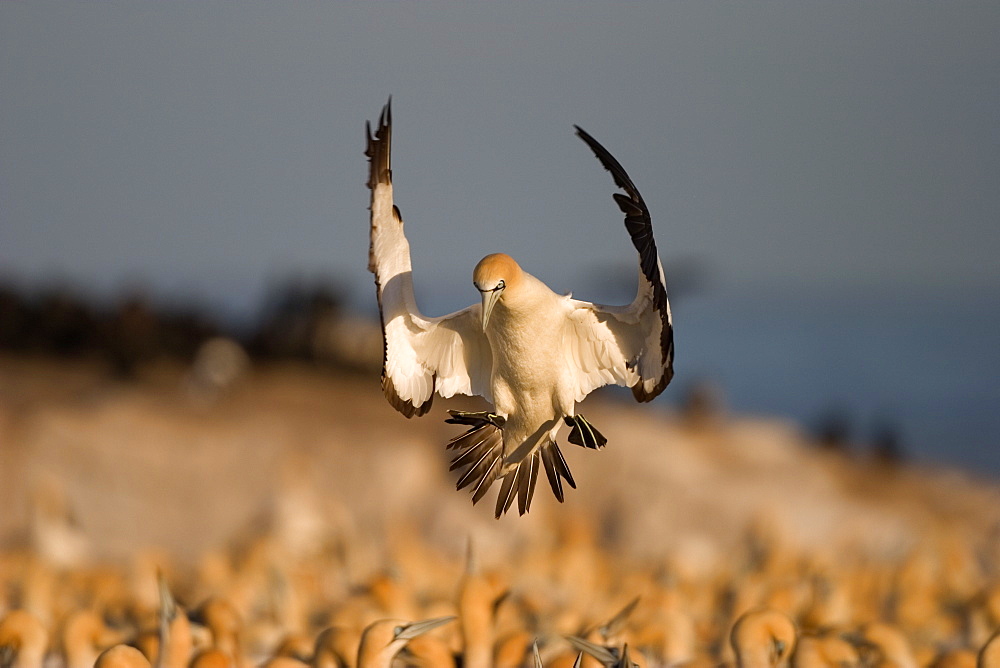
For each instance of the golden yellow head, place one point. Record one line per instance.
(493, 275)
(494, 269)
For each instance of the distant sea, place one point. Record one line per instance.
(925, 366)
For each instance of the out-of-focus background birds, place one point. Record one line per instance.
(286, 514)
(198, 468)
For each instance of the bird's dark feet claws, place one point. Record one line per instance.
(475, 418)
(584, 434)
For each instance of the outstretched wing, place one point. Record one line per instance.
(626, 345)
(421, 355)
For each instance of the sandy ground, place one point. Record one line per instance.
(154, 464)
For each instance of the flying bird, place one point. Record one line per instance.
(530, 352)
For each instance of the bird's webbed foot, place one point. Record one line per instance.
(584, 434)
(476, 418)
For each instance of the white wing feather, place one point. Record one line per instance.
(614, 345)
(450, 354)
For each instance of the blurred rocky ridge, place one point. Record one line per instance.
(298, 320)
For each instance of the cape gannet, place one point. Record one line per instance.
(24, 640)
(382, 640)
(122, 656)
(531, 353)
(763, 638)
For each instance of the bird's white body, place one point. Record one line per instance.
(530, 381)
(530, 352)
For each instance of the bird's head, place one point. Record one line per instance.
(383, 639)
(494, 275)
(762, 637)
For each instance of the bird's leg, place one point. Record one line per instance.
(584, 434)
(475, 418)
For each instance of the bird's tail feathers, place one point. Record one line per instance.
(521, 479)
(481, 459)
(556, 469)
(481, 454)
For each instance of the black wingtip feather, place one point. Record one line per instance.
(379, 148)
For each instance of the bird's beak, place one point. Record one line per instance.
(599, 652)
(415, 629)
(490, 299)
(168, 606)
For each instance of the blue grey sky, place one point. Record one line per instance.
(207, 148)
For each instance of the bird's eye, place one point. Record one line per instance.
(500, 285)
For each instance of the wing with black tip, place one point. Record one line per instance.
(629, 345)
(448, 355)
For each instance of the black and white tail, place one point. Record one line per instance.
(481, 459)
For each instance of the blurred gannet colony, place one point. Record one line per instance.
(281, 518)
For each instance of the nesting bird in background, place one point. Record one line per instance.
(531, 353)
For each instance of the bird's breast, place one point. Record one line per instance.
(526, 359)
